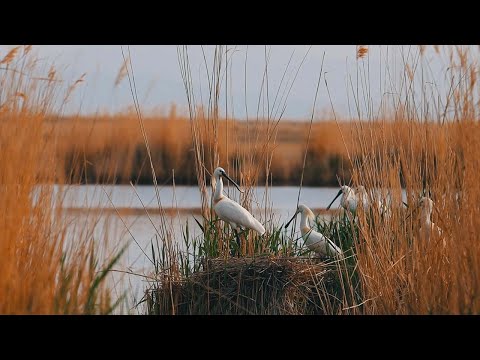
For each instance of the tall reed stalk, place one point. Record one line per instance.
(44, 269)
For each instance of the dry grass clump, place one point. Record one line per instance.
(250, 286)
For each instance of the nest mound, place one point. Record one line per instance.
(242, 286)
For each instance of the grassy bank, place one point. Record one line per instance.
(110, 148)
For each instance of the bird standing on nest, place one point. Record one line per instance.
(230, 211)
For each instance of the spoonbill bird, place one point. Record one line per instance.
(348, 200)
(427, 226)
(229, 210)
(315, 241)
(362, 196)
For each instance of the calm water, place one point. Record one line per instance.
(137, 230)
(188, 197)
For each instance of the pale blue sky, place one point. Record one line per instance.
(159, 81)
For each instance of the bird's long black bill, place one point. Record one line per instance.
(404, 203)
(339, 193)
(233, 182)
(293, 217)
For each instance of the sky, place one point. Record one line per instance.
(159, 83)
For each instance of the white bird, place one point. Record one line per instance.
(230, 211)
(349, 199)
(315, 241)
(427, 226)
(362, 197)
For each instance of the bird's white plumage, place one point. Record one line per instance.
(237, 216)
(229, 210)
(314, 240)
(362, 197)
(428, 227)
(349, 199)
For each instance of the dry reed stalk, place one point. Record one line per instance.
(402, 272)
(362, 51)
(44, 269)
